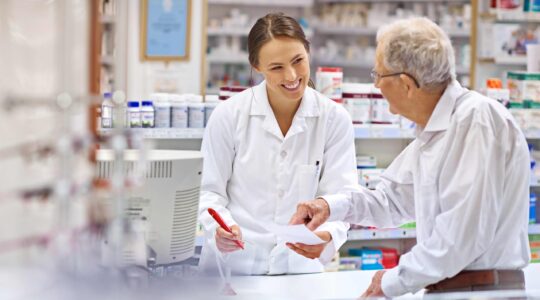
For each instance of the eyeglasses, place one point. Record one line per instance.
(376, 76)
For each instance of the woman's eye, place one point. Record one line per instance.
(298, 60)
(275, 68)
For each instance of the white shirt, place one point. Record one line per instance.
(252, 175)
(465, 180)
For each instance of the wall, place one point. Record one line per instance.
(143, 78)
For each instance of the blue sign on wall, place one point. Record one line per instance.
(165, 29)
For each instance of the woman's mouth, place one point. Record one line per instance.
(291, 87)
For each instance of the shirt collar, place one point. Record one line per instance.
(309, 106)
(440, 118)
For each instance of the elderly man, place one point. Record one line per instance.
(464, 179)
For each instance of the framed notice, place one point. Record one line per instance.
(165, 27)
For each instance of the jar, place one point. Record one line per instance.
(147, 114)
(356, 98)
(210, 103)
(162, 111)
(134, 114)
(328, 81)
(179, 112)
(196, 111)
(224, 93)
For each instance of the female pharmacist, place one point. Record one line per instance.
(268, 148)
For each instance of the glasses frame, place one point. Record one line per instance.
(376, 76)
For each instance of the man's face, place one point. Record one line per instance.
(392, 87)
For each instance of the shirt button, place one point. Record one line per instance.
(283, 154)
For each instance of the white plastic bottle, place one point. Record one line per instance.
(134, 114)
(179, 112)
(147, 114)
(107, 111)
(162, 111)
(196, 111)
(210, 103)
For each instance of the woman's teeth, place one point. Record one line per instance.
(292, 86)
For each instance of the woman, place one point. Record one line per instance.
(270, 147)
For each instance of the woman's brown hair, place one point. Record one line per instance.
(269, 27)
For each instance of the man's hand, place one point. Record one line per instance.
(225, 241)
(312, 213)
(312, 251)
(375, 289)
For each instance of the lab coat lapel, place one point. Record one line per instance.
(308, 108)
(261, 107)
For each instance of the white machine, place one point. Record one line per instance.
(168, 199)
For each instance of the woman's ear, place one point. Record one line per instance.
(256, 69)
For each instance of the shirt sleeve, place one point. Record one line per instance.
(338, 174)
(391, 204)
(218, 154)
(468, 191)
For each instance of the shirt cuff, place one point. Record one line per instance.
(391, 284)
(338, 239)
(339, 206)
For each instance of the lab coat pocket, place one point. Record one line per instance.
(306, 181)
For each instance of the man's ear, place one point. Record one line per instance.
(409, 84)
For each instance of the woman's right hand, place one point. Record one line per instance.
(226, 242)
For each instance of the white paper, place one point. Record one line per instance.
(294, 234)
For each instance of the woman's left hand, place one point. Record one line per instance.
(312, 251)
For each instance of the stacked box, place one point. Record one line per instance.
(524, 89)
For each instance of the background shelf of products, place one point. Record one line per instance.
(342, 34)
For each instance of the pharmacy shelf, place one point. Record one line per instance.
(106, 19)
(107, 60)
(382, 132)
(288, 3)
(511, 60)
(532, 134)
(238, 31)
(400, 233)
(381, 234)
(162, 133)
(238, 58)
(461, 70)
(389, 1)
(325, 29)
(534, 228)
(360, 132)
(344, 63)
(228, 31)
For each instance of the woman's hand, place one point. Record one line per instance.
(312, 251)
(226, 242)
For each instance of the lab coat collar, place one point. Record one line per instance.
(261, 106)
(440, 118)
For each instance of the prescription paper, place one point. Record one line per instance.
(295, 234)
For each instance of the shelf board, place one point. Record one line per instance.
(228, 31)
(511, 60)
(325, 29)
(239, 31)
(388, 1)
(106, 19)
(380, 234)
(287, 3)
(239, 58)
(400, 233)
(344, 63)
(107, 60)
(374, 131)
(462, 70)
(534, 228)
(162, 133)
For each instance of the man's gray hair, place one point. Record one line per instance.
(420, 48)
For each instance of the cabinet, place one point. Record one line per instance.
(342, 34)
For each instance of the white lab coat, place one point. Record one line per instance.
(465, 180)
(253, 175)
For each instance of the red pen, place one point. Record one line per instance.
(218, 219)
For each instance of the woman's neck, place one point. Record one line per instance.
(284, 110)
